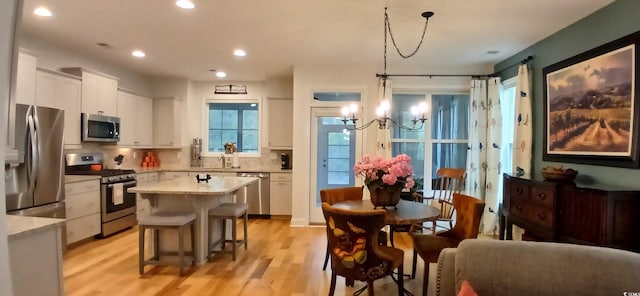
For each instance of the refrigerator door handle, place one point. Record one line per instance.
(38, 149)
(32, 163)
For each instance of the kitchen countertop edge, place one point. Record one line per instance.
(20, 226)
(189, 186)
(80, 178)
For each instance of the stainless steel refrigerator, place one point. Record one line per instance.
(35, 184)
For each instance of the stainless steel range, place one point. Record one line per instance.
(117, 206)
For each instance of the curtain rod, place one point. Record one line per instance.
(524, 61)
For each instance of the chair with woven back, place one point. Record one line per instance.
(448, 182)
(356, 253)
(428, 246)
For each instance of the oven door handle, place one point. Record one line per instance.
(124, 184)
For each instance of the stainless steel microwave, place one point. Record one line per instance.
(100, 128)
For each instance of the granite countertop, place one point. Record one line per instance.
(80, 178)
(189, 185)
(19, 226)
(202, 169)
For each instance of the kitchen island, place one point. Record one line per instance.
(35, 255)
(186, 195)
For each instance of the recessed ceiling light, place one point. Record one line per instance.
(239, 53)
(221, 74)
(42, 11)
(186, 4)
(138, 54)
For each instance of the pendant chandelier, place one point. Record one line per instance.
(383, 118)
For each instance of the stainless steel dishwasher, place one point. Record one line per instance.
(257, 195)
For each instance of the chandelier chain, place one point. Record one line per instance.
(387, 26)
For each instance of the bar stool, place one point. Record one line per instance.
(231, 211)
(166, 220)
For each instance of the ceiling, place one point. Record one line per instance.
(281, 34)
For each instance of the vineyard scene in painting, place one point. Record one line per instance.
(590, 106)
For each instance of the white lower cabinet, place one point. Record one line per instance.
(82, 210)
(143, 207)
(280, 194)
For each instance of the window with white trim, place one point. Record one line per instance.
(441, 142)
(238, 123)
(507, 110)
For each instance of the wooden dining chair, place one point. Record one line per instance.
(356, 253)
(448, 182)
(335, 195)
(428, 246)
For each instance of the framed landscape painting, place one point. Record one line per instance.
(591, 109)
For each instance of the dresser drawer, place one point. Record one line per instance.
(82, 228)
(82, 204)
(519, 190)
(81, 187)
(533, 213)
(543, 196)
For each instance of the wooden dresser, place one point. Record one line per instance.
(568, 212)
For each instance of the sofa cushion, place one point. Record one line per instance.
(540, 268)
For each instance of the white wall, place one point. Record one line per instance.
(204, 90)
(308, 79)
(7, 17)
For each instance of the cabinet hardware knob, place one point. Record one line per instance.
(519, 190)
(541, 216)
(519, 208)
(541, 196)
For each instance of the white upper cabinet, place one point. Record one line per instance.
(99, 91)
(144, 122)
(280, 123)
(26, 79)
(167, 128)
(136, 120)
(61, 91)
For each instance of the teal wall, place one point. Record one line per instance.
(616, 20)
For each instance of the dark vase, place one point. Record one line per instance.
(385, 197)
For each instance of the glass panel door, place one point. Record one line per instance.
(333, 156)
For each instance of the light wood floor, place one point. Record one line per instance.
(281, 260)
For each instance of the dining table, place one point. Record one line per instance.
(405, 212)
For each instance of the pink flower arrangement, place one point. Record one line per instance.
(378, 172)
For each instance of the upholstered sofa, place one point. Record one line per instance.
(495, 268)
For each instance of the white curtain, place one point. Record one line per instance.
(523, 131)
(383, 136)
(483, 165)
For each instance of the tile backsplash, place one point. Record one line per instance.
(179, 158)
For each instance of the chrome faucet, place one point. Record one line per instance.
(221, 158)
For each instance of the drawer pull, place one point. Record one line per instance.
(541, 196)
(519, 190)
(519, 208)
(541, 216)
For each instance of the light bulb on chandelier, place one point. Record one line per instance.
(383, 111)
(383, 117)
